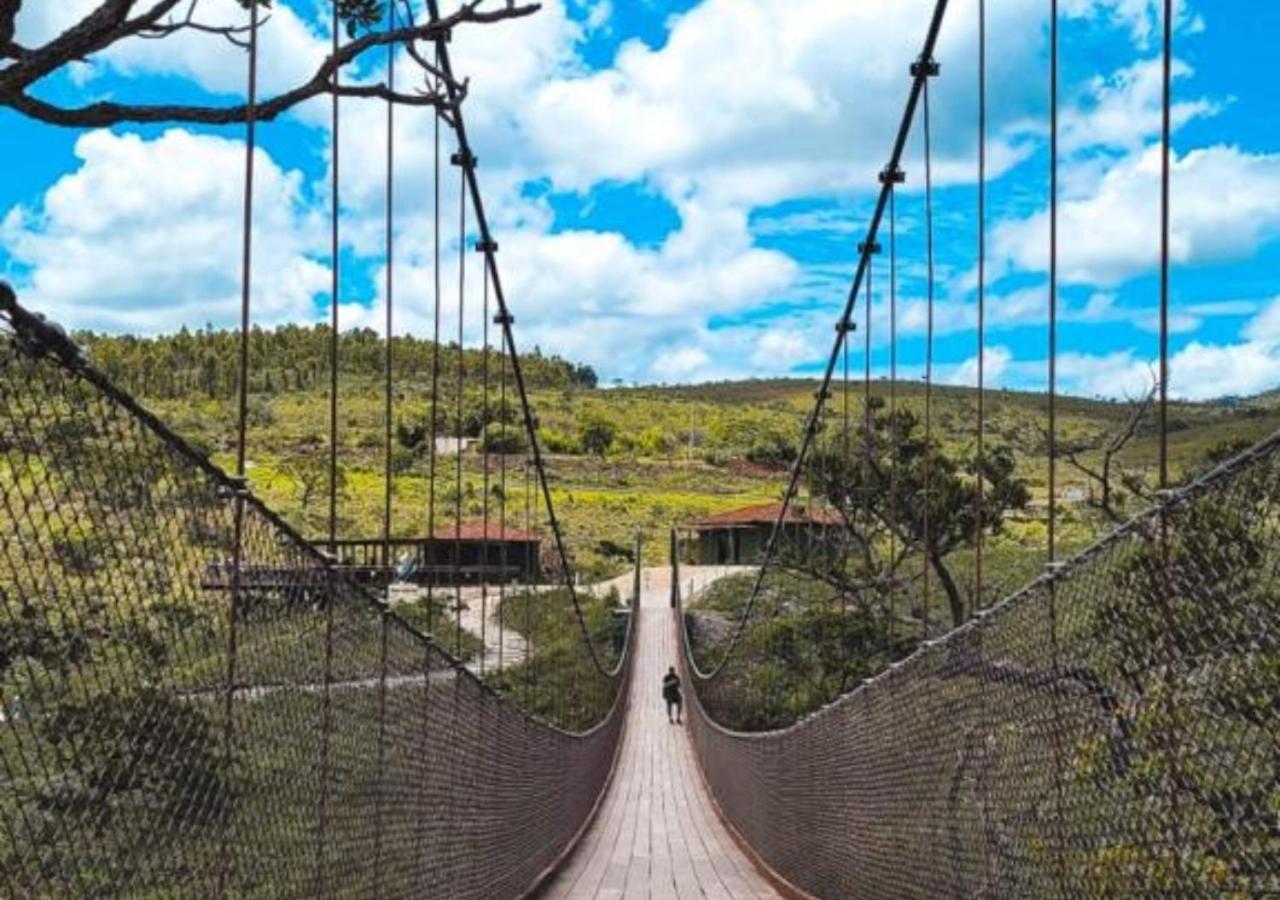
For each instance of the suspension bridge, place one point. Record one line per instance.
(198, 700)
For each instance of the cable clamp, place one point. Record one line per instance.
(925, 68)
(873, 248)
(504, 318)
(464, 158)
(846, 326)
(234, 486)
(445, 35)
(486, 245)
(822, 396)
(892, 175)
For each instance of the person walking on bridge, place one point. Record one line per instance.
(671, 694)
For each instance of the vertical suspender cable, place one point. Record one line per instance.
(530, 581)
(980, 510)
(333, 306)
(502, 490)
(461, 376)
(893, 404)
(1052, 289)
(1166, 143)
(388, 411)
(927, 503)
(242, 421)
(1166, 588)
(866, 425)
(846, 464)
(433, 546)
(325, 723)
(389, 359)
(1059, 761)
(484, 450)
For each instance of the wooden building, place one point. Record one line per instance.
(738, 537)
(466, 555)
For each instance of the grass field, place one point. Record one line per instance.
(676, 454)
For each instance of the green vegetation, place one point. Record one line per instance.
(808, 645)
(558, 681)
(620, 459)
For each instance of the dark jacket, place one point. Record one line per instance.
(671, 687)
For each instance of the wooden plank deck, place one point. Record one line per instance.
(657, 836)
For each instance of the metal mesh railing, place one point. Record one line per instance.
(173, 723)
(1111, 731)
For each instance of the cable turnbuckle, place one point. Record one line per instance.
(486, 245)
(892, 175)
(464, 158)
(873, 248)
(504, 319)
(846, 326)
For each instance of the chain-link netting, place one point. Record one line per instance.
(1112, 731)
(175, 722)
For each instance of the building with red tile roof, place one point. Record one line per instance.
(739, 536)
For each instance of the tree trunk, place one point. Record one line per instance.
(954, 600)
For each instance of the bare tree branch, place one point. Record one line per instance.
(110, 23)
(9, 10)
(1114, 446)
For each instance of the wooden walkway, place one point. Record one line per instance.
(657, 836)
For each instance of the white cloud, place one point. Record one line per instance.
(290, 48)
(1197, 371)
(782, 349)
(771, 119)
(1143, 18)
(681, 364)
(1223, 209)
(996, 362)
(145, 236)
(1124, 109)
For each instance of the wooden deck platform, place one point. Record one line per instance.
(657, 835)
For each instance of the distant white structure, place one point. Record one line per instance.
(454, 446)
(1075, 494)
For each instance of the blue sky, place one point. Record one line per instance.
(679, 188)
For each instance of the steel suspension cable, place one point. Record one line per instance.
(461, 375)
(389, 251)
(490, 250)
(923, 69)
(242, 424)
(433, 453)
(866, 424)
(484, 451)
(926, 505)
(1166, 150)
(502, 488)
(980, 500)
(1172, 747)
(1051, 438)
(388, 412)
(893, 178)
(334, 249)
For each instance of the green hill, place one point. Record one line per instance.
(661, 455)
